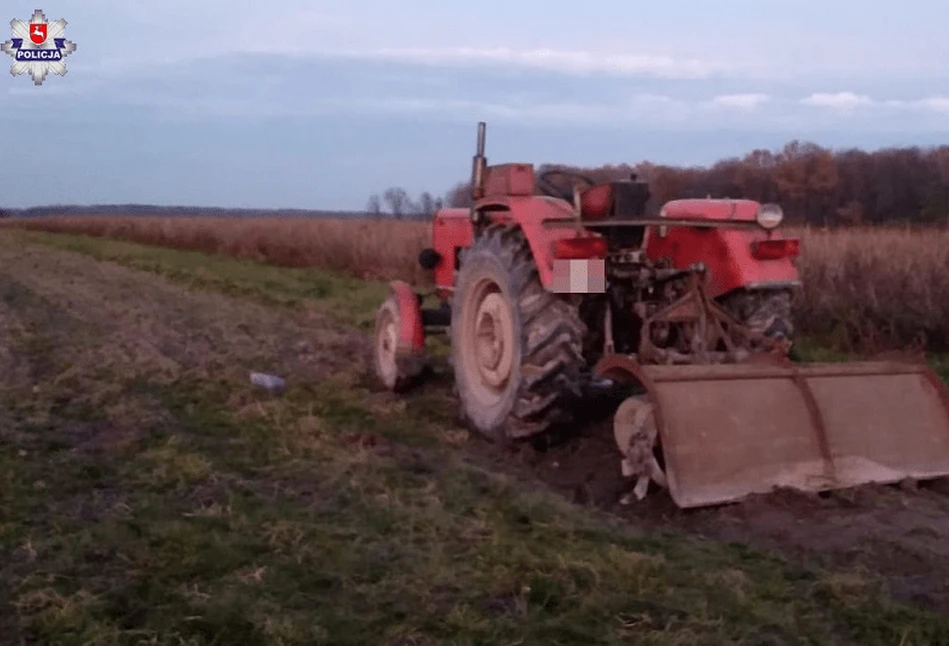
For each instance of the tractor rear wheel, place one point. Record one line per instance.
(515, 347)
(766, 311)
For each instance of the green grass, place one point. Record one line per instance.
(810, 350)
(347, 300)
(329, 515)
(212, 530)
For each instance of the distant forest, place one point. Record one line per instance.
(813, 184)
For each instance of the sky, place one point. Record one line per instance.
(319, 104)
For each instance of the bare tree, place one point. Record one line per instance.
(412, 209)
(374, 206)
(398, 201)
(426, 206)
(459, 195)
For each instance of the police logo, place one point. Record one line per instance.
(38, 47)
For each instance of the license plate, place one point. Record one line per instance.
(584, 276)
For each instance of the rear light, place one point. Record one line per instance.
(577, 248)
(776, 249)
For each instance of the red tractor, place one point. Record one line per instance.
(553, 285)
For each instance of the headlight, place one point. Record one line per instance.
(770, 215)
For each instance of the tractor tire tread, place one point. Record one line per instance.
(551, 338)
(766, 311)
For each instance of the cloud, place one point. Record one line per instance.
(845, 101)
(741, 101)
(564, 62)
(643, 108)
(938, 104)
(579, 63)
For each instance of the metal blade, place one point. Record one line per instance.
(729, 431)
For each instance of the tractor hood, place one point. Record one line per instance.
(709, 209)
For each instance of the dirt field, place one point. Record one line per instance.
(148, 494)
(900, 532)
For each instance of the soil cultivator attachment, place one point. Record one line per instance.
(746, 420)
(551, 284)
(727, 431)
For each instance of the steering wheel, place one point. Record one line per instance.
(549, 188)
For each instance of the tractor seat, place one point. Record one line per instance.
(619, 200)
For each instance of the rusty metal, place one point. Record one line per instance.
(729, 431)
(745, 419)
(817, 421)
(609, 346)
(940, 387)
(478, 165)
(714, 325)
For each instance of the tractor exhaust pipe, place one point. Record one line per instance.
(478, 164)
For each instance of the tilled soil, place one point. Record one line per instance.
(147, 324)
(900, 532)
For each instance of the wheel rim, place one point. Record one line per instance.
(488, 345)
(387, 341)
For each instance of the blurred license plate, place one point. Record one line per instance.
(584, 276)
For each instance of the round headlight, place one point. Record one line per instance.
(770, 215)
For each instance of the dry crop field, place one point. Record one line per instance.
(150, 495)
(864, 289)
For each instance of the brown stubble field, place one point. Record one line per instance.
(865, 289)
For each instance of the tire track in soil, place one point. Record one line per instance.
(64, 317)
(145, 324)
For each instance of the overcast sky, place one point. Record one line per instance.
(319, 104)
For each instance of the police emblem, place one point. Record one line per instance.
(38, 47)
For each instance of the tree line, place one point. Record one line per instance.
(813, 184)
(397, 203)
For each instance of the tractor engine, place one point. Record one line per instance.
(637, 290)
(643, 280)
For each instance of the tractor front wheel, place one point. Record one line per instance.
(515, 347)
(396, 367)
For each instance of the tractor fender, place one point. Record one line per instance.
(533, 216)
(728, 253)
(411, 331)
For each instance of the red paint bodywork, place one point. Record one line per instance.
(595, 202)
(452, 230)
(411, 333)
(508, 197)
(504, 180)
(726, 252)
